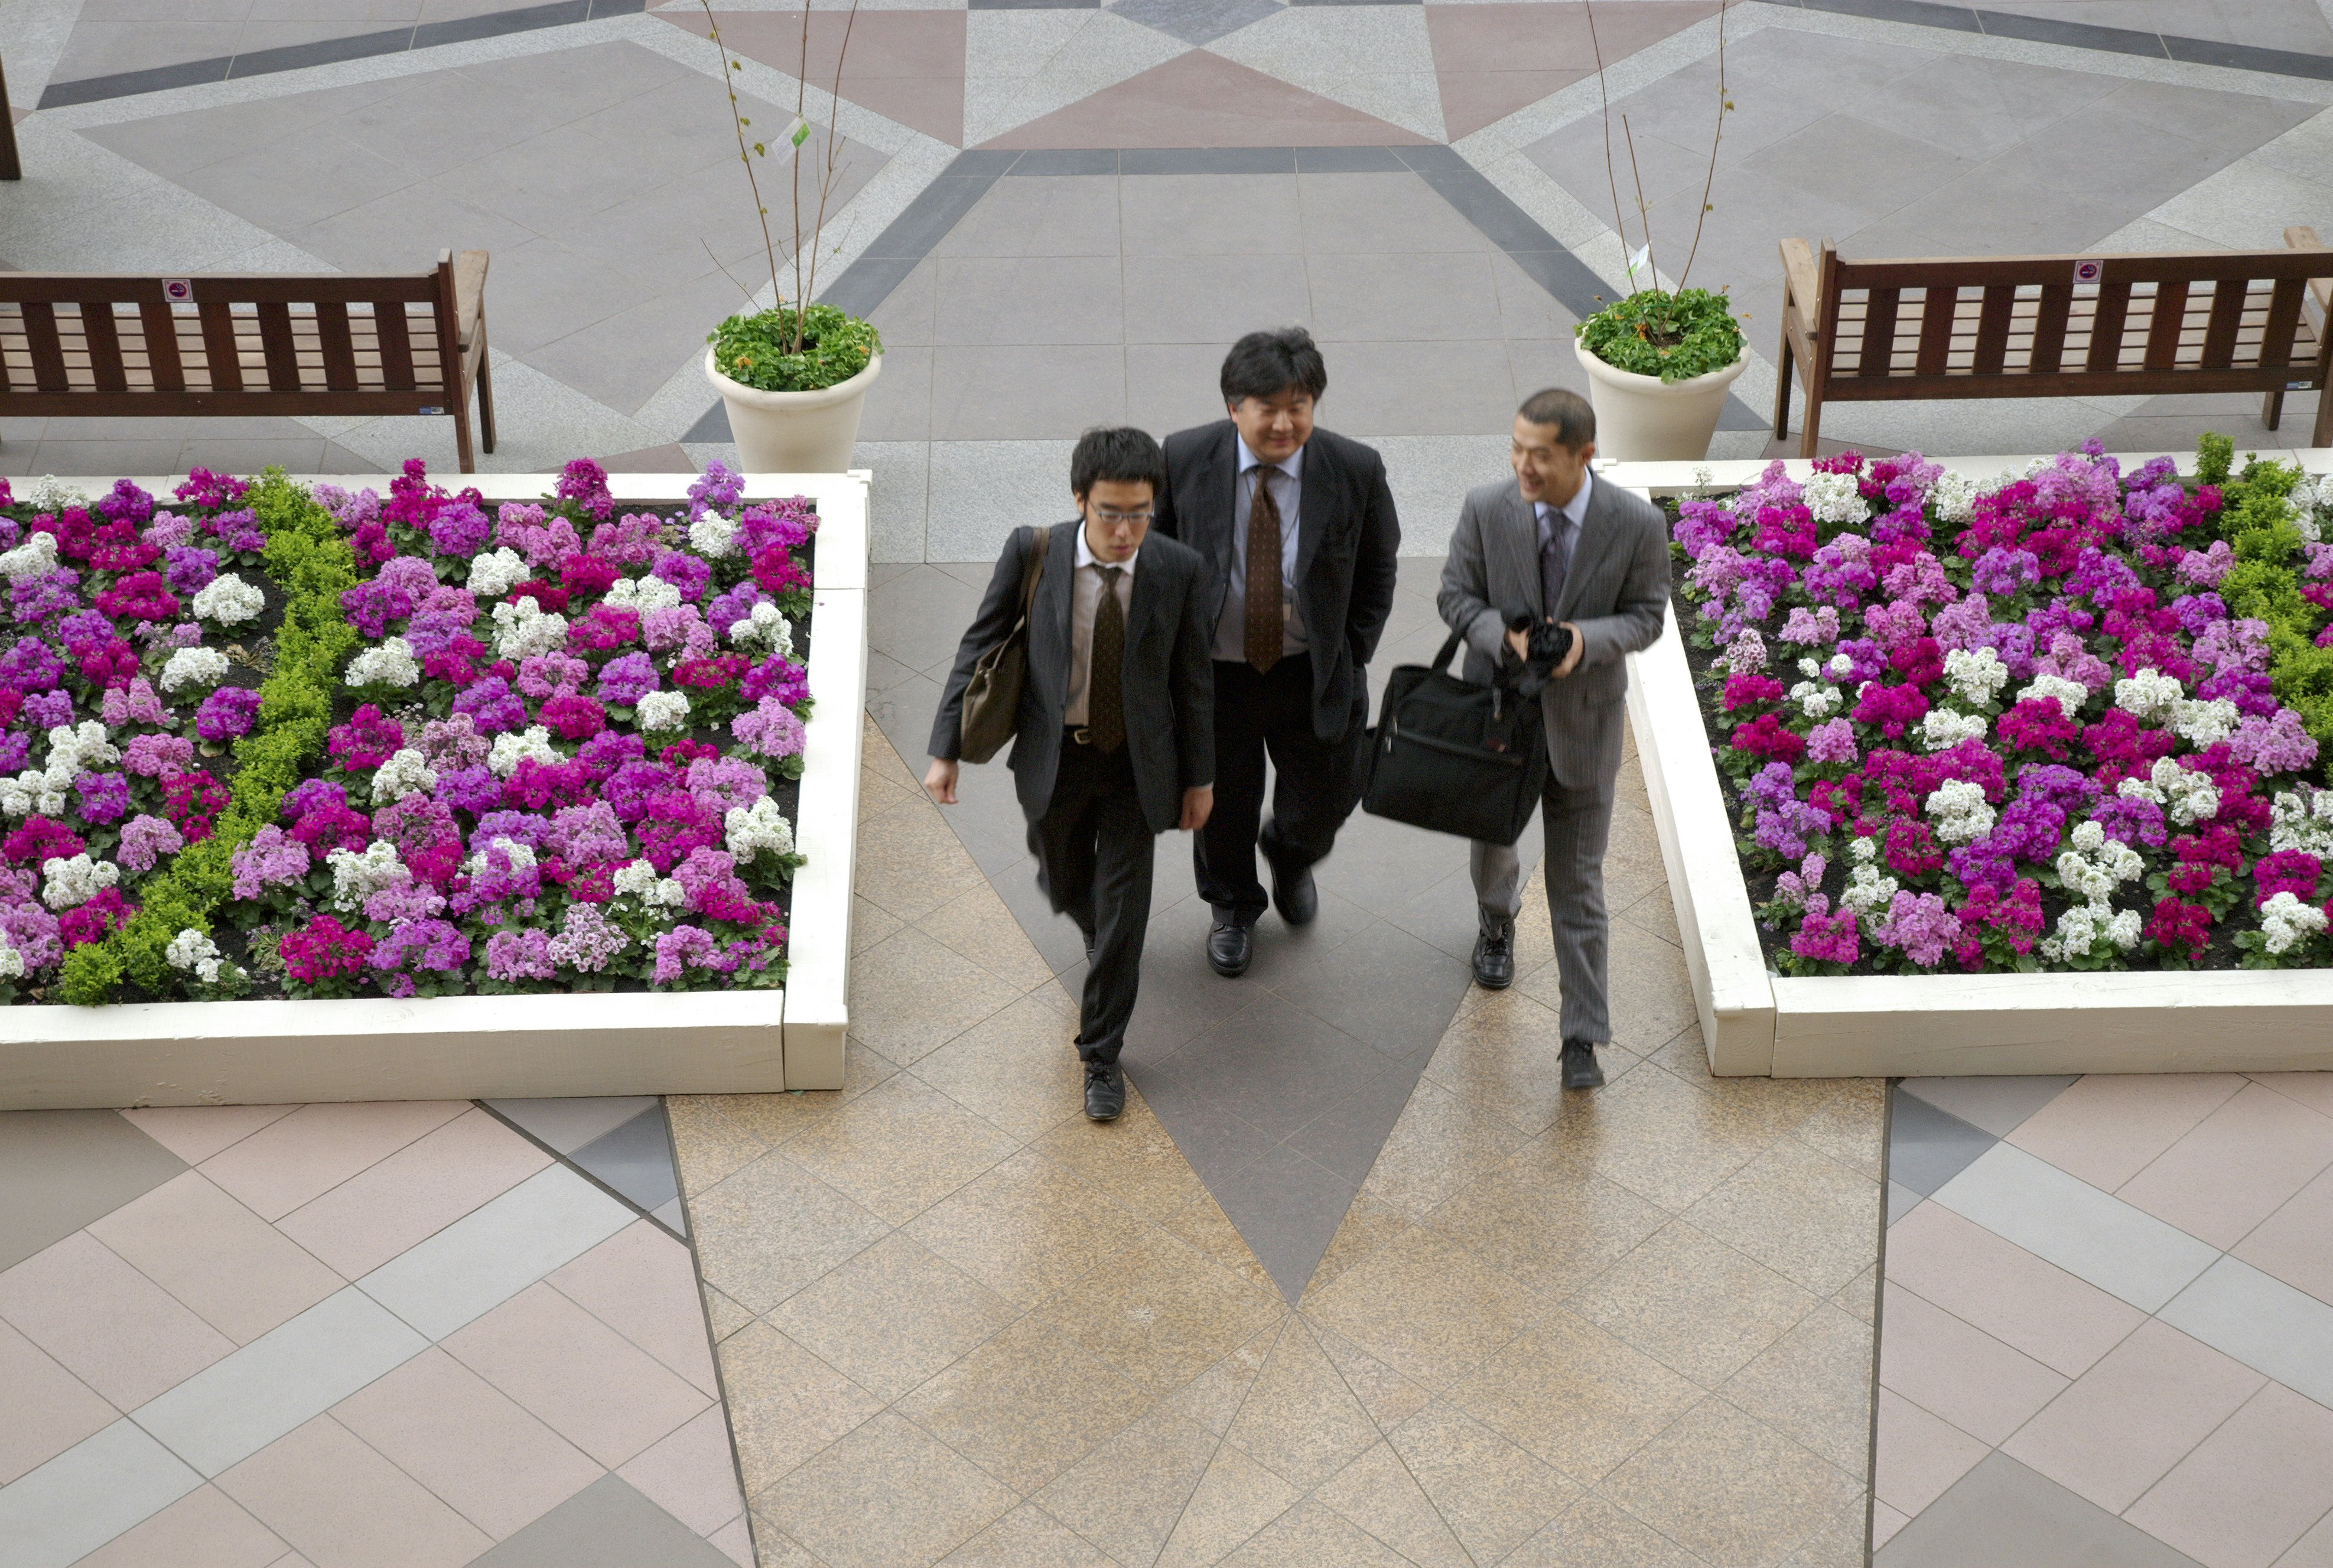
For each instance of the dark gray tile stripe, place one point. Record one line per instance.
(571, 1162)
(2081, 35)
(333, 51)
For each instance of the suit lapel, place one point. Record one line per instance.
(1587, 550)
(1142, 603)
(1518, 535)
(1223, 487)
(1313, 510)
(1050, 644)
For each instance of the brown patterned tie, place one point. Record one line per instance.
(1104, 704)
(1264, 617)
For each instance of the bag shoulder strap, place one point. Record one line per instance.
(1449, 650)
(1033, 569)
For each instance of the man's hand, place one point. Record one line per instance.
(1198, 805)
(1572, 659)
(940, 780)
(1521, 642)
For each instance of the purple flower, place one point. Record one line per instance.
(152, 755)
(48, 709)
(515, 956)
(682, 628)
(681, 948)
(527, 828)
(45, 596)
(689, 573)
(138, 703)
(145, 840)
(31, 665)
(627, 679)
(309, 795)
(1831, 744)
(729, 609)
(2272, 745)
(2004, 572)
(449, 744)
(104, 796)
(491, 705)
(2133, 819)
(226, 713)
(585, 483)
(1920, 925)
(460, 530)
(2205, 568)
(770, 729)
(586, 833)
(719, 491)
(608, 750)
(190, 568)
(587, 941)
(413, 900)
(422, 944)
(273, 859)
(470, 789)
(238, 531)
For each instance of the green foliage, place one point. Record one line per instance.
(761, 351)
(1675, 337)
(310, 560)
(2215, 454)
(2256, 519)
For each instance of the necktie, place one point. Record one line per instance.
(1554, 560)
(1105, 705)
(1264, 618)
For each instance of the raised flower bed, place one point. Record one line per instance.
(1996, 767)
(369, 789)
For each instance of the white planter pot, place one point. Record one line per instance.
(794, 432)
(1644, 419)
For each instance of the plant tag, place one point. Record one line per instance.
(431, 409)
(2090, 269)
(1638, 259)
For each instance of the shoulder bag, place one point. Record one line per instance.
(1454, 757)
(992, 697)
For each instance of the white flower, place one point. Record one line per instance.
(512, 748)
(2070, 694)
(641, 881)
(33, 792)
(1841, 667)
(32, 558)
(2149, 696)
(2286, 920)
(643, 594)
(2203, 724)
(1816, 699)
(1963, 813)
(495, 574)
(407, 772)
(1746, 653)
(356, 877)
(1942, 729)
(521, 857)
(525, 628)
(749, 830)
(713, 536)
(1977, 675)
(2298, 820)
(51, 494)
(1954, 497)
(1810, 668)
(2090, 836)
(764, 628)
(229, 601)
(76, 750)
(2094, 874)
(1836, 498)
(390, 664)
(12, 962)
(2189, 795)
(194, 667)
(1867, 887)
(191, 949)
(1862, 850)
(661, 710)
(70, 884)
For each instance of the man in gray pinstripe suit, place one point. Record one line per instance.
(1595, 559)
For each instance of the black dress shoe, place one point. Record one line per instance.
(1105, 1090)
(1494, 958)
(1231, 947)
(1580, 1069)
(1293, 894)
(1092, 942)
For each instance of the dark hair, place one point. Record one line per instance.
(1569, 412)
(1119, 453)
(1266, 364)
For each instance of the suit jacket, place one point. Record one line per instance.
(1166, 680)
(1346, 539)
(1616, 593)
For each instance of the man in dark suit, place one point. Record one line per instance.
(1114, 744)
(1594, 559)
(1298, 531)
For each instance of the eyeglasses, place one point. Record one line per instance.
(1113, 517)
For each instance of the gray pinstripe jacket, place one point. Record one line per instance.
(1617, 591)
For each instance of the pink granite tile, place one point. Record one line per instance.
(2296, 1243)
(691, 1475)
(593, 1387)
(1884, 1522)
(1962, 1374)
(2313, 1549)
(2128, 1419)
(414, 1193)
(2249, 1490)
(467, 1442)
(2105, 1129)
(341, 1504)
(1203, 99)
(1919, 1456)
(315, 1148)
(48, 1409)
(735, 1541)
(641, 1283)
(107, 1325)
(237, 1273)
(2063, 1323)
(2314, 1090)
(195, 1133)
(2236, 1168)
(204, 1529)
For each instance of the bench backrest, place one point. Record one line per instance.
(197, 337)
(2232, 319)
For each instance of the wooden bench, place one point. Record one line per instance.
(80, 344)
(2057, 326)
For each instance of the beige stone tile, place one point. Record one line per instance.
(1654, 913)
(877, 755)
(773, 1227)
(195, 1133)
(1594, 1534)
(1632, 866)
(49, 1409)
(337, 1501)
(1555, 1229)
(1771, 1105)
(1575, 1395)
(1126, 1495)
(2250, 1489)
(888, 1495)
(1204, 1224)
(1214, 1397)
(1809, 1219)
(910, 862)
(725, 1316)
(1919, 1456)
(2105, 1129)
(412, 1194)
(1390, 1398)
(976, 924)
(1026, 1405)
(1235, 1498)
(1027, 1537)
(869, 924)
(1860, 1297)
(1693, 1304)
(1729, 1487)
(1814, 1385)
(1377, 1493)
(1018, 1069)
(1027, 1228)
(641, 1283)
(1494, 1495)
(689, 1474)
(1850, 1125)
(1505, 1056)
(2062, 1322)
(772, 1120)
(1300, 1420)
(1426, 1308)
(773, 1548)
(2235, 1167)
(1650, 994)
(1438, 1145)
(239, 1274)
(1314, 1535)
(1655, 1135)
(316, 1148)
(901, 1148)
(105, 1323)
(1966, 1376)
(1838, 1542)
(204, 1529)
(786, 1404)
(879, 793)
(1133, 1159)
(1367, 1226)
(893, 1316)
(705, 1144)
(1160, 1313)
(910, 995)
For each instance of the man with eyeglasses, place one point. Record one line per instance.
(1113, 743)
(1297, 526)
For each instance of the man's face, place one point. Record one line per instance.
(1546, 469)
(1274, 427)
(1118, 513)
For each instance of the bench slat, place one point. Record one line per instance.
(340, 352)
(1942, 303)
(2001, 303)
(2107, 321)
(396, 346)
(2229, 301)
(2164, 324)
(276, 350)
(2278, 337)
(97, 328)
(220, 356)
(1876, 350)
(48, 349)
(159, 331)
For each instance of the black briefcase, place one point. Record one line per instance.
(1455, 757)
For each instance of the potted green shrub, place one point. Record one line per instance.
(1659, 362)
(794, 376)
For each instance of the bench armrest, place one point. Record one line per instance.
(1801, 282)
(2301, 237)
(469, 292)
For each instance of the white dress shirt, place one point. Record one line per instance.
(1085, 599)
(1287, 482)
(1574, 513)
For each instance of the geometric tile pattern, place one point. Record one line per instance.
(2108, 1335)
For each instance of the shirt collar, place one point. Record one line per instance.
(1086, 557)
(1294, 466)
(1574, 510)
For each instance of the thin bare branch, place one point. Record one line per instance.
(724, 268)
(1644, 212)
(1715, 137)
(1619, 228)
(834, 152)
(738, 122)
(801, 112)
